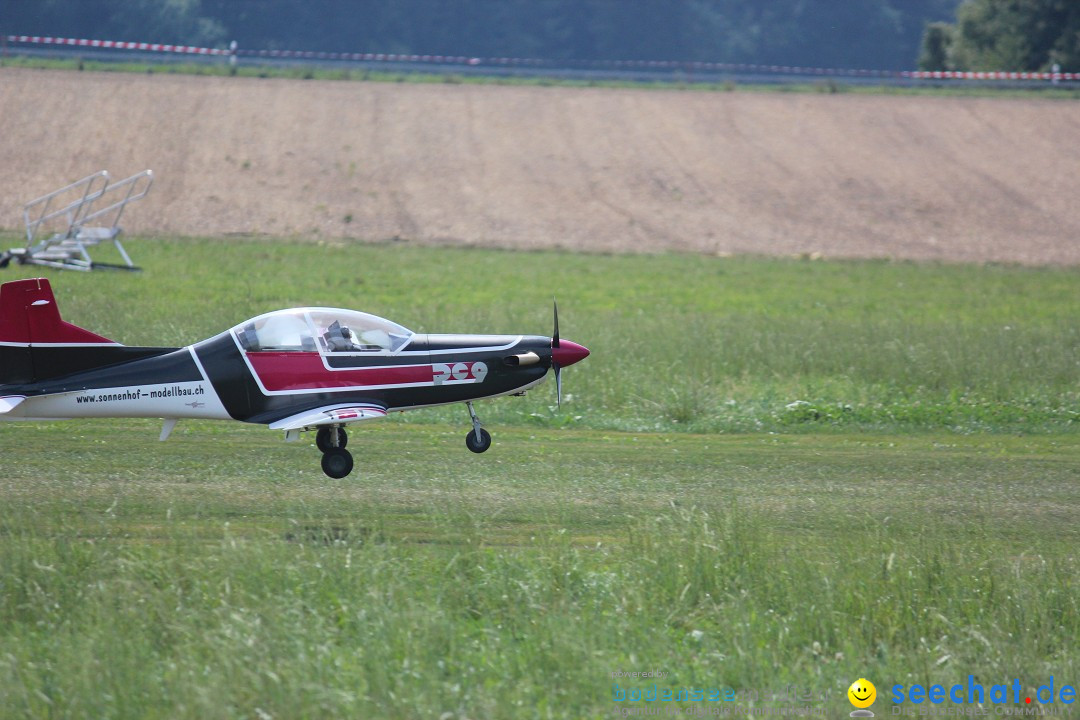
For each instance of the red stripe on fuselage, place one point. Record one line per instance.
(282, 371)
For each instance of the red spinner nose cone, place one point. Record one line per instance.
(568, 353)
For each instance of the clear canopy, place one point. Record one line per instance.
(321, 330)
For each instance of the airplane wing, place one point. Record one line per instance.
(329, 415)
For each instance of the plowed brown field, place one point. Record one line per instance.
(600, 169)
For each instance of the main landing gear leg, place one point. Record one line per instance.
(332, 436)
(479, 439)
(337, 462)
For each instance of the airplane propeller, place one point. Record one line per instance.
(563, 353)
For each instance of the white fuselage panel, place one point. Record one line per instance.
(168, 400)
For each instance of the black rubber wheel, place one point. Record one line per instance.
(322, 439)
(5, 260)
(337, 462)
(478, 445)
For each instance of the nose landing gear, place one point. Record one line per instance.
(337, 462)
(479, 439)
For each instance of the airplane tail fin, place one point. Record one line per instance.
(33, 337)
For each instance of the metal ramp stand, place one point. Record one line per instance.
(89, 199)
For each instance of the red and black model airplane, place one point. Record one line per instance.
(309, 368)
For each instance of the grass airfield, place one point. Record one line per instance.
(771, 472)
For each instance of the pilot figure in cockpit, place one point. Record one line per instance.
(339, 338)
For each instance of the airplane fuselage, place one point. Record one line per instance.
(218, 379)
(311, 368)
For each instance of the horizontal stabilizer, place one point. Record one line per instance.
(329, 415)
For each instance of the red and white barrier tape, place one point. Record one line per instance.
(671, 65)
(116, 45)
(996, 75)
(361, 57)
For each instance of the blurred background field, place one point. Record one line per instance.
(627, 170)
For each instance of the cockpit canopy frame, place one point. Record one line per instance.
(323, 330)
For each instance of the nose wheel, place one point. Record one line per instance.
(479, 439)
(337, 462)
(478, 443)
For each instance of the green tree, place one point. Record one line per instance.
(1024, 35)
(167, 21)
(937, 47)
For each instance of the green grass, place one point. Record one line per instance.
(220, 575)
(771, 472)
(677, 82)
(681, 342)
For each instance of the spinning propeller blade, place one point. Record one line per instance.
(558, 385)
(554, 364)
(555, 333)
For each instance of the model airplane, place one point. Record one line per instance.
(299, 369)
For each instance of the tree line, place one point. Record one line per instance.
(836, 33)
(876, 34)
(1026, 35)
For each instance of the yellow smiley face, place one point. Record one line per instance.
(862, 693)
